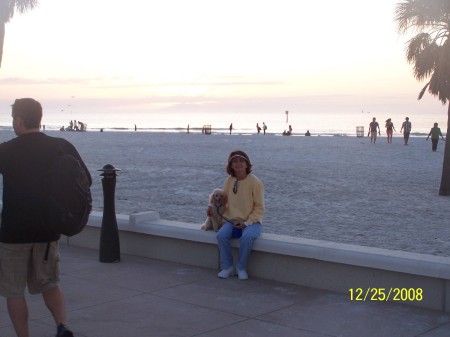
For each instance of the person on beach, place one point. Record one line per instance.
(389, 129)
(435, 132)
(244, 193)
(406, 127)
(29, 254)
(258, 128)
(373, 127)
(231, 127)
(264, 128)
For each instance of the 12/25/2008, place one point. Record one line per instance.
(386, 294)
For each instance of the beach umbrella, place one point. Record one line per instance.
(429, 53)
(7, 10)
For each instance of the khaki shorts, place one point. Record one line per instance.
(23, 264)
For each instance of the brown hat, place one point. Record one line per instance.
(241, 154)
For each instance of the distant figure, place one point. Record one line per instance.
(71, 125)
(231, 127)
(307, 133)
(406, 126)
(389, 129)
(135, 127)
(290, 130)
(373, 126)
(188, 129)
(435, 132)
(264, 127)
(258, 128)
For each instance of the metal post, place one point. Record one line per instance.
(109, 235)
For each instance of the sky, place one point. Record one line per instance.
(143, 56)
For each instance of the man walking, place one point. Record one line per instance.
(406, 127)
(435, 132)
(28, 247)
(374, 127)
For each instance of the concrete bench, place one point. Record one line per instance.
(317, 264)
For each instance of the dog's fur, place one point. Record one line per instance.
(218, 202)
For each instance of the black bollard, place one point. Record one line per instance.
(109, 235)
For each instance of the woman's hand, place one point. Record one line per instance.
(240, 225)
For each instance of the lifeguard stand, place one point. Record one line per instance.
(360, 131)
(206, 129)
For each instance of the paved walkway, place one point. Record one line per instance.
(144, 297)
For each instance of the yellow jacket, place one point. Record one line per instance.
(247, 204)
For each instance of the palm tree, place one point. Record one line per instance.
(7, 10)
(429, 52)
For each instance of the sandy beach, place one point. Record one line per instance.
(341, 189)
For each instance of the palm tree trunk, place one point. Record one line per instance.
(2, 39)
(444, 189)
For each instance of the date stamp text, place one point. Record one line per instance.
(386, 294)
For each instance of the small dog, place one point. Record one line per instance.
(217, 202)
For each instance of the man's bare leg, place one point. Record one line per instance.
(54, 300)
(18, 312)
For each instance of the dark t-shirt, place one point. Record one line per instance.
(24, 163)
(373, 126)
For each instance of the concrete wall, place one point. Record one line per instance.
(313, 263)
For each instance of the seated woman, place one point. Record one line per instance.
(243, 214)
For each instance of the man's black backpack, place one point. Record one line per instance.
(70, 195)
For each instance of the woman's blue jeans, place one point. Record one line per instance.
(249, 235)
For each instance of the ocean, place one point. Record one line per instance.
(317, 122)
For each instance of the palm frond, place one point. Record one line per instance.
(422, 92)
(429, 50)
(24, 5)
(420, 14)
(9, 7)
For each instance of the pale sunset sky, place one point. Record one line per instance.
(235, 55)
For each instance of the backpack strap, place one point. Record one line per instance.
(46, 252)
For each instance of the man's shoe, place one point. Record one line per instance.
(63, 331)
(226, 273)
(242, 274)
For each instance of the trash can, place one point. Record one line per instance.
(360, 131)
(206, 129)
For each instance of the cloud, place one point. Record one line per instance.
(18, 81)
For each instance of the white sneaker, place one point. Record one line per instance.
(226, 273)
(242, 274)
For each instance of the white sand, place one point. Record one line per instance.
(340, 189)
